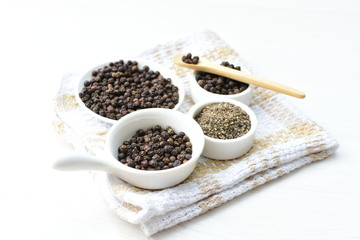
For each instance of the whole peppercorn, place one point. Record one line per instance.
(120, 87)
(123, 148)
(155, 148)
(188, 58)
(219, 84)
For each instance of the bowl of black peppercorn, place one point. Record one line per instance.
(208, 86)
(114, 89)
(151, 148)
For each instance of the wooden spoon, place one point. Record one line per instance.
(205, 65)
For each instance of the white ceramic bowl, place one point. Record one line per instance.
(225, 149)
(123, 130)
(199, 94)
(166, 73)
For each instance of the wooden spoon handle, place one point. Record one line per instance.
(254, 80)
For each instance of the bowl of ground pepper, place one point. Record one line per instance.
(112, 90)
(228, 125)
(208, 86)
(151, 148)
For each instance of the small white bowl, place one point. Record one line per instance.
(225, 149)
(200, 94)
(122, 131)
(141, 63)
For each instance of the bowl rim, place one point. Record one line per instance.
(166, 72)
(156, 111)
(195, 109)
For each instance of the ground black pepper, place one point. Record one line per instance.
(188, 58)
(155, 148)
(123, 87)
(223, 121)
(219, 84)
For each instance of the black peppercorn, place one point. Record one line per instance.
(188, 58)
(219, 84)
(128, 81)
(155, 148)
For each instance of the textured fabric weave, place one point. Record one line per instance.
(286, 139)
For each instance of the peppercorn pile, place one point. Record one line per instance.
(188, 58)
(223, 121)
(123, 87)
(219, 84)
(155, 148)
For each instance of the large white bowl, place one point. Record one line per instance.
(166, 73)
(123, 130)
(200, 94)
(225, 149)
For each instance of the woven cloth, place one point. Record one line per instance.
(286, 139)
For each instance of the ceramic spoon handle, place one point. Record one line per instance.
(78, 161)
